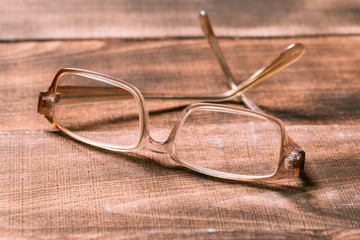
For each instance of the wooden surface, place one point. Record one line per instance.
(53, 187)
(69, 19)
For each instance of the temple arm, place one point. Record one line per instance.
(290, 55)
(69, 94)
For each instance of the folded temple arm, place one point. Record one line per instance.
(69, 94)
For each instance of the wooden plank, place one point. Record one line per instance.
(69, 19)
(51, 186)
(311, 91)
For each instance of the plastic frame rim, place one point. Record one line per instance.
(284, 169)
(228, 109)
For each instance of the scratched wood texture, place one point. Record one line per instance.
(67, 19)
(53, 187)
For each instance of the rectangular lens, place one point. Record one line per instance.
(229, 142)
(96, 110)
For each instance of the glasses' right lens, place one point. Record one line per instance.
(229, 143)
(98, 111)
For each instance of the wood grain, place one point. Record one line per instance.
(53, 187)
(319, 89)
(69, 19)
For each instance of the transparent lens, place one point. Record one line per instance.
(229, 142)
(96, 110)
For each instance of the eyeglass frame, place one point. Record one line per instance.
(292, 157)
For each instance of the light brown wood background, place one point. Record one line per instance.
(53, 187)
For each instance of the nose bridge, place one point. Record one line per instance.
(45, 104)
(156, 146)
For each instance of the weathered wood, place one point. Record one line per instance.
(69, 19)
(318, 89)
(51, 186)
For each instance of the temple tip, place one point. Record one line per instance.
(295, 49)
(203, 13)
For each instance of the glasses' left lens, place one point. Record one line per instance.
(98, 111)
(229, 142)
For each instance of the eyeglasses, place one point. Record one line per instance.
(222, 141)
